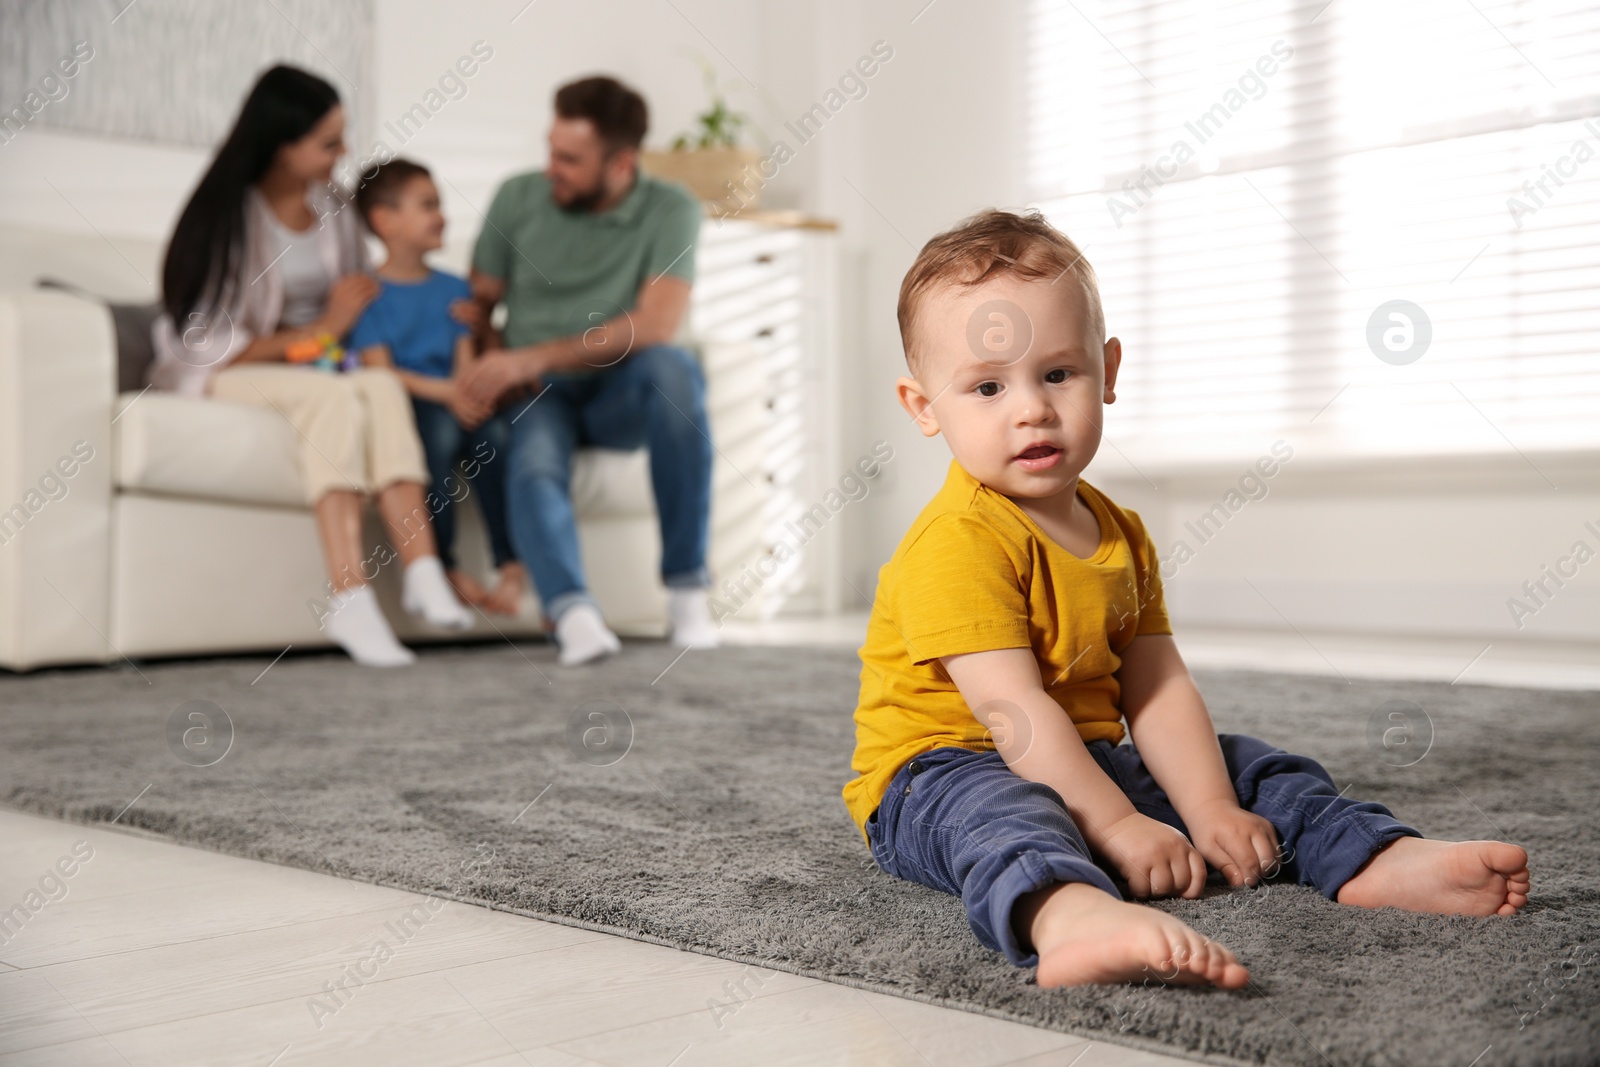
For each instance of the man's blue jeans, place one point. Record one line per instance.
(963, 822)
(655, 399)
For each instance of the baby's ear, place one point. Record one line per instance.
(909, 392)
(1113, 358)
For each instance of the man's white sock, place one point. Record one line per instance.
(356, 624)
(427, 593)
(690, 617)
(583, 635)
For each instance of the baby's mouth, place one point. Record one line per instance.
(1038, 452)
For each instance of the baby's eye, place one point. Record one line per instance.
(1057, 376)
(988, 388)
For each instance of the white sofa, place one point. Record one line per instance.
(177, 527)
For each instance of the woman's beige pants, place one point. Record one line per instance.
(356, 431)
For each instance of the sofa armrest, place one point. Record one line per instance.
(58, 371)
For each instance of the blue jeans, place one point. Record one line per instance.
(445, 442)
(654, 398)
(963, 822)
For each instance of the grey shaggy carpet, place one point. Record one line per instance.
(483, 774)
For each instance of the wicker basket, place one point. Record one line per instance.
(707, 171)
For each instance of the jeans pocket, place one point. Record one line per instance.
(880, 843)
(883, 825)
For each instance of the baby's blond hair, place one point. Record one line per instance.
(988, 244)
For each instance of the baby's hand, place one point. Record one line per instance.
(1240, 844)
(1153, 858)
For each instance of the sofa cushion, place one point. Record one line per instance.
(215, 450)
(133, 324)
(135, 346)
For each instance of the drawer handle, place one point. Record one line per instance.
(765, 257)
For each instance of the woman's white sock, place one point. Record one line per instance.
(427, 594)
(357, 625)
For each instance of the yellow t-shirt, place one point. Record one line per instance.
(975, 573)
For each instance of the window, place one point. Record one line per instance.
(1260, 186)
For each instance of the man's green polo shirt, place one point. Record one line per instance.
(566, 272)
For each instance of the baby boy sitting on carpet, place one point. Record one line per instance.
(1021, 620)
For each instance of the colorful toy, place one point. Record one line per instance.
(323, 352)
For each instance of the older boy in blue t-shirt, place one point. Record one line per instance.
(409, 328)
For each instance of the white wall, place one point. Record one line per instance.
(938, 136)
(1440, 548)
(126, 189)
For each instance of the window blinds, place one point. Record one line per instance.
(1370, 230)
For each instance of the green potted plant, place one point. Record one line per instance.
(709, 158)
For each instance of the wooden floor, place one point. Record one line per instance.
(162, 955)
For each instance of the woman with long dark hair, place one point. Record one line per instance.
(265, 267)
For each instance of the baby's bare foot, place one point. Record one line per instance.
(1084, 935)
(1445, 877)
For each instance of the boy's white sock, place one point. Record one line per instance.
(427, 593)
(690, 617)
(356, 624)
(583, 635)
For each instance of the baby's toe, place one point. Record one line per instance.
(1209, 959)
(1217, 963)
(1177, 961)
(1507, 859)
(1221, 967)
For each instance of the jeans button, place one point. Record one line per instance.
(915, 768)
